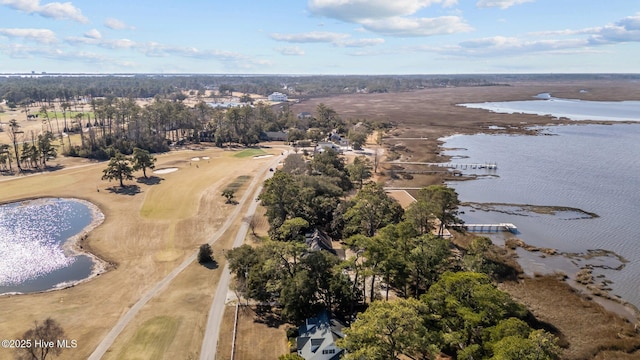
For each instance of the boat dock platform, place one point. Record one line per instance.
(488, 227)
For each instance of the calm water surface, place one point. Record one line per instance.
(595, 168)
(568, 108)
(32, 234)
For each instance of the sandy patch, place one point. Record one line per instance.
(262, 156)
(165, 171)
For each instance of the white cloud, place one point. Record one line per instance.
(44, 36)
(631, 22)
(500, 46)
(502, 4)
(290, 51)
(116, 24)
(402, 26)
(54, 10)
(19, 51)
(336, 39)
(356, 10)
(120, 44)
(156, 49)
(93, 34)
(559, 42)
(391, 17)
(358, 43)
(310, 37)
(625, 30)
(103, 43)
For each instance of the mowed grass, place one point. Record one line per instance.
(152, 339)
(70, 115)
(238, 182)
(249, 152)
(167, 200)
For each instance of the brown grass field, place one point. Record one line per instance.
(256, 338)
(146, 234)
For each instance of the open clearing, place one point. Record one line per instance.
(148, 230)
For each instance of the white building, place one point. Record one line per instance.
(276, 96)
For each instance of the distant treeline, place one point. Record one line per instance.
(47, 88)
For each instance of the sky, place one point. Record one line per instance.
(320, 36)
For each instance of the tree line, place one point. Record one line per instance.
(32, 154)
(46, 89)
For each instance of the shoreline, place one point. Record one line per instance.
(596, 291)
(582, 281)
(73, 247)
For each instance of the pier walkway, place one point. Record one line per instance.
(488, 227)
(462, 166)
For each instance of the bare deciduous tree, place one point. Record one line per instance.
(48, 333)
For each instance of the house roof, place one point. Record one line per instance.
(318, 240)
(318, 336)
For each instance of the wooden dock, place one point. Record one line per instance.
(489, 228)
(462, 166)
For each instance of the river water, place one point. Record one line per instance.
(572, 109)
(32, 235)
(594, 168)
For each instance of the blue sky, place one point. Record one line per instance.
(320, 36)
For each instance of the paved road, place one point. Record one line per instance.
(214, 319)
(124, 320)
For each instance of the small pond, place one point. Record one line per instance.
(35, 249)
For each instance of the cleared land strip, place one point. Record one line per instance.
(214, 319)
(124, 320)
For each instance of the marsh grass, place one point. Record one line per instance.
(586, 328)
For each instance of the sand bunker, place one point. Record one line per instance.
(165, 170)
(262, 156)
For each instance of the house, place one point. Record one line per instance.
(319, 240)
(322, 146)
(334, 136)
(277, 96)
(225, 105)
(317, 338)
(304, 115)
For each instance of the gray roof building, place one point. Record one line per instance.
(317, 338)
